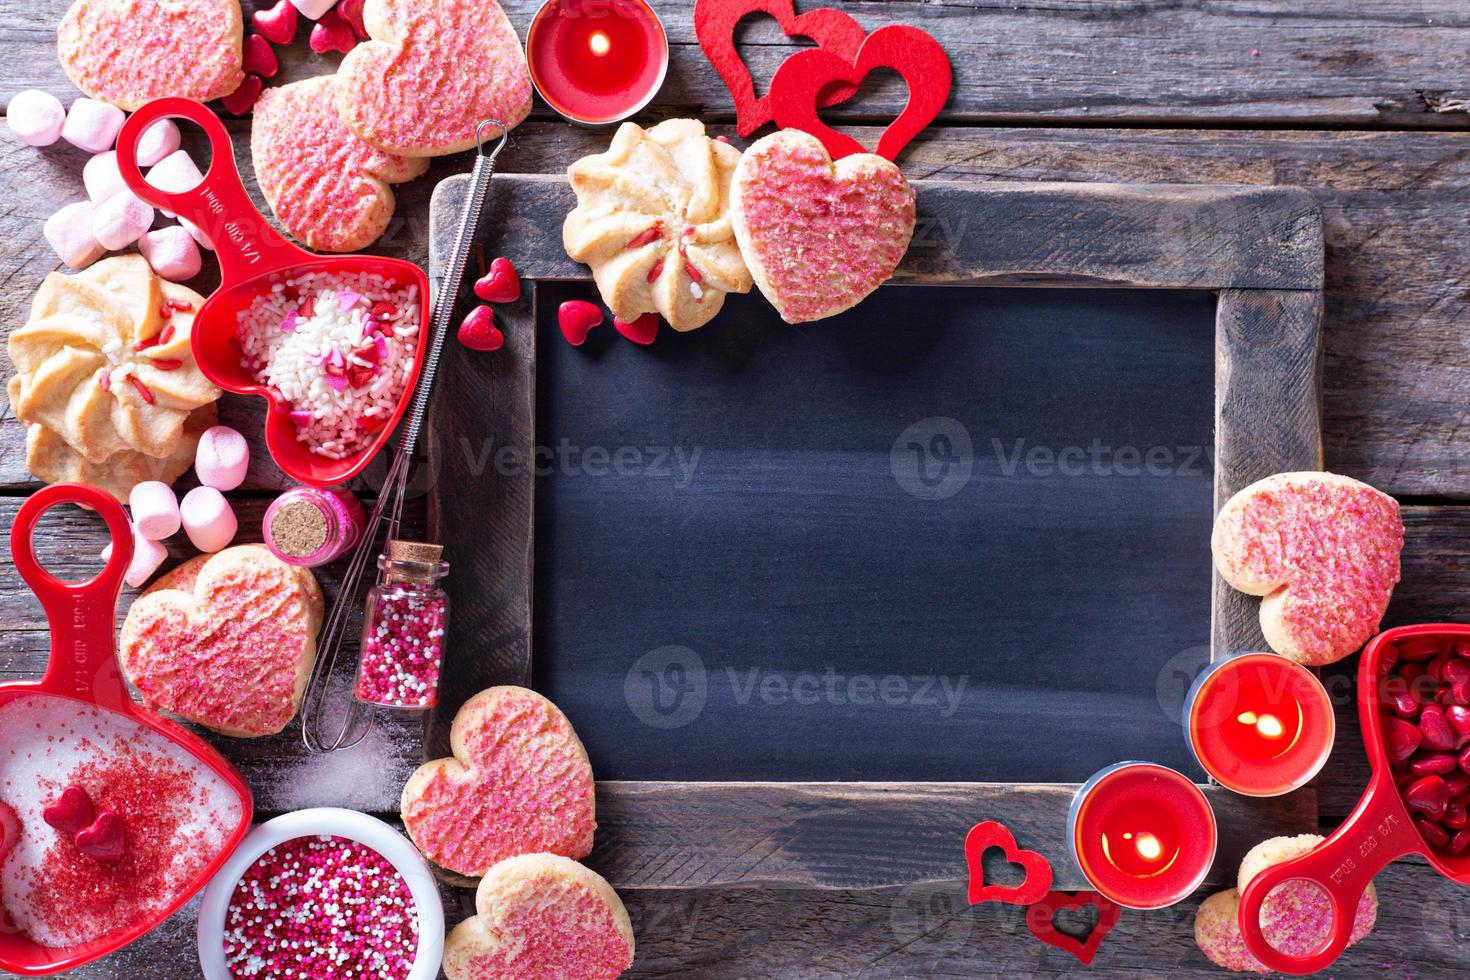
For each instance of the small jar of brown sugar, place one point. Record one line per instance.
(310, 526)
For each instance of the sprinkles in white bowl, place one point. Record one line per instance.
(339, 349)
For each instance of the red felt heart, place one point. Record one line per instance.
(479, 332)
(70, 812)
(1040, 919)
(500, 284)
(1032, 888)
(577, 317)
(104, 840)
(640, 331)
(278, 24)
(799, 82)
(714, 26)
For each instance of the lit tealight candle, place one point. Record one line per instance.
(1259, 724)
(1142, 834)
(597, 61)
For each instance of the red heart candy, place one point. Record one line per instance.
(500, 284)
(278, 24)
(714, 27)
(641, 331)
(1033, 886)
(332, 33)
(1040, 920)
(243, 99)
(479, 332)
(577, 317)
(104, 840)
(1429, 795)
(351, 11)
(260, 58)
(9, 837)
(798, 84)
(70, 812)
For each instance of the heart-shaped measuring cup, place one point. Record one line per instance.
(1038, 875)
(799, 83)
(252, 258)
(1041, 921)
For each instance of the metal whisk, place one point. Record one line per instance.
(389, 505)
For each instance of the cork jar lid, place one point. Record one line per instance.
(413, 561)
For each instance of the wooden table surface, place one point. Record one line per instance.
(1362, 102)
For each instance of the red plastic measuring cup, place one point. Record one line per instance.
(252, 256)
(83, 667)
(1377, 832)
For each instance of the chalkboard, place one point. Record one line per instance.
(953, 534)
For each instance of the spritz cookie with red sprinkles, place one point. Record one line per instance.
(519, 783)
(541, 916)
(128, 52)
(1323, 552)
(819, 236)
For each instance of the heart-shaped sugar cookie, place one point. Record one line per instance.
(327, 187)
(431, 73)
(519, 783)
(541, 916)
(1323, 551)
(128, 52)
(818, 236)
(225, 641)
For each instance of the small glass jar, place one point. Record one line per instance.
(403, 629)
(311, 526)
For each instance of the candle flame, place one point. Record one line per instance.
(1267, 726)
(600, 43)
(1149, 847)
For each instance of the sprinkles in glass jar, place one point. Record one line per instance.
(403, 629)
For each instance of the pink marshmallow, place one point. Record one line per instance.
(121, 220)
(147, 556)
(208, 519)
(92, 125)
(70, 233)
(36, 117)
(155, 510)
(173, 256)
(197, 233)
(223, 458)
(156, 142)
(313, 9)
(102, 178)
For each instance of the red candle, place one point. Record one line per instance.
(1143, 834)
(1259, 724)
(597, 61)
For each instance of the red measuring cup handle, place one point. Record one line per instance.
(1377, 833)
(81, 615)
(244, 242)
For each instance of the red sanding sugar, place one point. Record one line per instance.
(321, 907)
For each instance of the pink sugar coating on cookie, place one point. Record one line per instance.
(823, 242)
(128, 52)
(552, 921)
(529, 790)
(454, 63)
(1336, 545)
(1218, 935)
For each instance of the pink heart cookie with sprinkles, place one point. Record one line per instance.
(128, 52)
(519, 783)
(1323, 552)
(328, 188)
(229, 650)
(818, 236)
(431, 73)
(541, 916)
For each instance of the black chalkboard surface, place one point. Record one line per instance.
(954, 534)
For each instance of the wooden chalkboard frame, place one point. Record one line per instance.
(1260, 250)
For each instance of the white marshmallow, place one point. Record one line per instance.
(102, 177)
(197, 233)
(313, 9)
(36, 117)
(208, 519)
(155, 510)
(156, 142)
(223, 458)
(173, 256)
(175, 173)
(70, 232)
(92, 125)
(121, 220)
(147, 556)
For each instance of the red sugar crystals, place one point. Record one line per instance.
(319, 908)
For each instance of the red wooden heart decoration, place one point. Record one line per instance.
(1032, 888)
(1040, 919)
(914, 54)
(714, 26)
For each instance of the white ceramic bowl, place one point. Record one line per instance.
(333, 822)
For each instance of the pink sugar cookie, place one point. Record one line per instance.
(1296, 917)
(519, 783)
(431, 73)
(233, 651)
(327, 187)
(541, 916)
(1323, 551)
(818, 237)
(128, 52)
